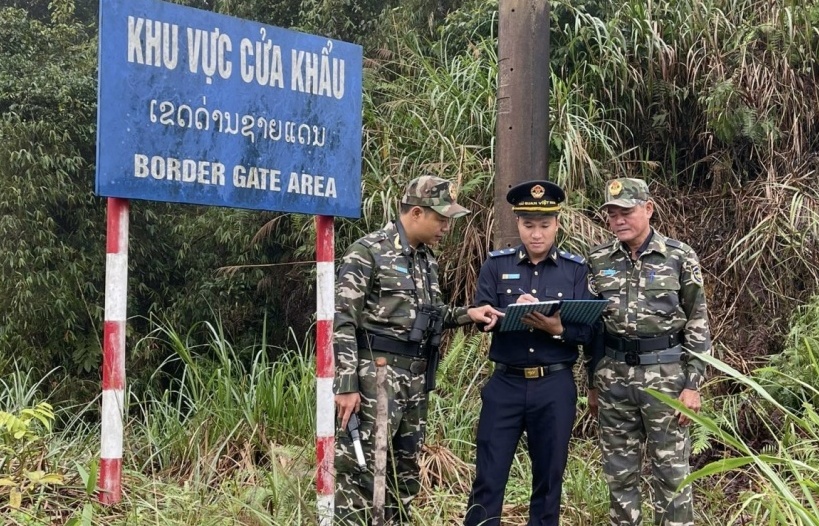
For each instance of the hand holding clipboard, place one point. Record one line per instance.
(583, 312)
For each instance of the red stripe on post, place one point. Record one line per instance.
(324, 239)
(325, 450)
(110, 482)
(113, 359)
(115, 241)
(324, 342)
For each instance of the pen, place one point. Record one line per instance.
(522, 291)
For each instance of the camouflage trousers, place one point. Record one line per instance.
(631, 420)
(407, 417)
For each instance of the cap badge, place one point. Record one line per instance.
(453, 193)
(538, 191)
(615, 188)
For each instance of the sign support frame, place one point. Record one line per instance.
(113, 353)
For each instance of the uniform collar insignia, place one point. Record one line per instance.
(657, 243)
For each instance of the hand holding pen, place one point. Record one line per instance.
(525, 297)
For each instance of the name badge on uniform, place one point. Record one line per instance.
(609, 272)
(510, 276)
(400, 269)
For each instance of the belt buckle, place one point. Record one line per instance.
(632, 358)
(531, 372)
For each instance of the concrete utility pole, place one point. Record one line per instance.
(522, 151)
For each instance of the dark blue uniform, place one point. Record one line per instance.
(543, 406)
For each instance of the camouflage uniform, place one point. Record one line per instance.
(660, 294)
(381, 281)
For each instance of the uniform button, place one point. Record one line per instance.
(559, 294)
(531, 329)
(536, 273)
(509, 291)
(531, 350)
(534, 291)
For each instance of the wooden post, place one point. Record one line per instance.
(522, 152)
(381, 424)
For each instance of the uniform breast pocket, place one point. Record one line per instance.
(662, 296)
(610, 287)
(396, 296)
(555, 292)
(507, 293)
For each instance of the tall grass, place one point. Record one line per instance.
(792, 377)
(223, 436)
(783, 474)
(221, 403)
(230, 442)
(714, 102)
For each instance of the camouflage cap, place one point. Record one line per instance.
(626, 192)
(435, 193)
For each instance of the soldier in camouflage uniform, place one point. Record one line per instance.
(383, 280)
(655, 327)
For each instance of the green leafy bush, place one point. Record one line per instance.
(792, 377)
(22, 441)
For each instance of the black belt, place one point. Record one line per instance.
(538, 371)
(672, 355)
(374, 342)
(415, 365)
(640, 345)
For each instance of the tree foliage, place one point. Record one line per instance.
(52, 252)
(713, 101)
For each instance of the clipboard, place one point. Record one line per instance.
(581, 312)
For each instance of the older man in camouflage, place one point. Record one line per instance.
(384, 281)
(655, 327)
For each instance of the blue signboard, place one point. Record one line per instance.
(201, 108)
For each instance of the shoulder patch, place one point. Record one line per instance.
(580, 260)
(502, 252)
(696, 274)
(602, 246)
(693, 268)
(591, 284)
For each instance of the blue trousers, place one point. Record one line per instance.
(545, 408)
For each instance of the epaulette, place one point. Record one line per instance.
(679, 245)
(601, 246)
(580, 260)
(502, 252)
(372, 238)
(674, 243)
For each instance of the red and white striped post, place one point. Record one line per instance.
(113, 354)
(325, 404)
